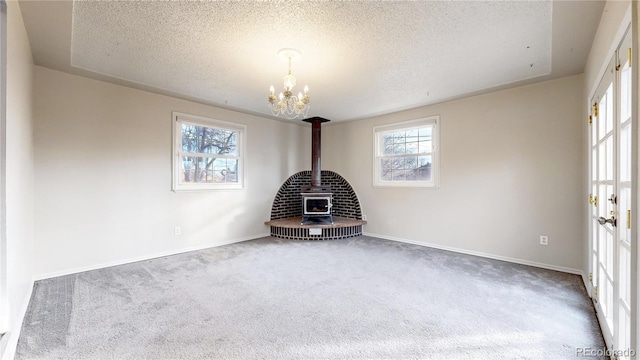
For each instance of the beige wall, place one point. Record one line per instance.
(103, 176)
(512, 170)
(19, 176)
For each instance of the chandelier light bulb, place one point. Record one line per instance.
(289, 82)
(271, 90)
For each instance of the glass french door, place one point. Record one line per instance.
(603, 221)
(622, 335)
(611, 197)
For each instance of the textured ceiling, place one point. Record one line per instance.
(359, 58)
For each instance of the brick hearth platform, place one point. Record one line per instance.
(290, 228)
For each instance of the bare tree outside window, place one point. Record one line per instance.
(208, 141)
(406, 153)
(208, 153)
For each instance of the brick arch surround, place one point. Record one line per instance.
(286, 211)
(288, 202)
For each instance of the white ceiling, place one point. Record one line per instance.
(359, 58)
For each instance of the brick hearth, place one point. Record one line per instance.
(286, 211)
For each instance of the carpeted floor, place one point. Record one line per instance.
(359, 298)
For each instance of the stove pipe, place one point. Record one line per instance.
(315, 149)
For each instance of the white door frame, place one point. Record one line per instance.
(4, 306)
(635, 307)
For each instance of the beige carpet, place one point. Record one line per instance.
(359, 298)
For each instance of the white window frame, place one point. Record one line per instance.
(378, 131)
(177, 119)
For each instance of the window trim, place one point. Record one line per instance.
(177, 118)
(434, 121)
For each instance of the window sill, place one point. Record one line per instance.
(406, 184)
(207, 188)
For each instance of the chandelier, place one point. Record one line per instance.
(288, 105)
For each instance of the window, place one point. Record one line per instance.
(208, 154)
(406, 153)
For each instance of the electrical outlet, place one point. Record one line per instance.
(364, 217)
(544, 240)
(177, 231)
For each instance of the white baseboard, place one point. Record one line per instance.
(393, 238)
(484, 255)
(143, 257)
(14, 332)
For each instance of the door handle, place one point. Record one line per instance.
(611, 221)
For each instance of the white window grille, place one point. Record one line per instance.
(407, 153)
